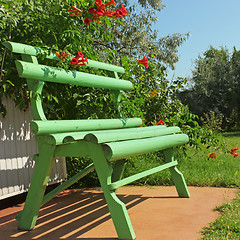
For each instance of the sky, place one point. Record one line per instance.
(209, 22)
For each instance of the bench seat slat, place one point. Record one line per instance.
(112, 134)
(123, 149)
(58, 75)
(61, 126)
(67, 137)
(133, 133)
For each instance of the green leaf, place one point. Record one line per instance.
(108, 22)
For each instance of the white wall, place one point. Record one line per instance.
(17, 147)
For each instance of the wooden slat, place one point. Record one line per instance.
(124, 149)
(140, 175)
(34, 51)
(60, 126)
(58, 75)
(128, 134)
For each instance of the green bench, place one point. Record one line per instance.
(108, 142)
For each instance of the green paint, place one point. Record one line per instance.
(108, 142)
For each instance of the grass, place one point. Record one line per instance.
(224, 171)
(227, 226)
(199, 170)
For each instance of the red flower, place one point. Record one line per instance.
(118, 13)
(124, 10)
(92, 10)
(74, 61)
(79, 60)
(79, 55)
(98, 3)
(161, 122)
(108, 13)
(143, 61)
(234, 152)
(100, 12)
(82, 61)
(62, 56)
(110, 3)
(77, 12)
(87, 21)
(212, 155)
(154, 93)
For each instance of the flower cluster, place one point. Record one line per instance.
(154, 94)
(233, 151)
(99, 11)
(212, 155)
(62, 56)
(77, 12)
(79, 60)
(143, 61)
(161, 122)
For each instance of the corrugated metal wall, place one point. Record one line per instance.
(17, 147)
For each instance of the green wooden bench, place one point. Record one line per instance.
(108, 142)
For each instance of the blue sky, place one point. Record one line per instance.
(209, 22)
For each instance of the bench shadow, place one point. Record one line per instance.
(70, 215)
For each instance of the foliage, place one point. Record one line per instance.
(118, 41)
(211, 122)
(215, 86)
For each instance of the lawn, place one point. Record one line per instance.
(199, 170)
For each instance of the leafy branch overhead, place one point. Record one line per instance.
(118, 40)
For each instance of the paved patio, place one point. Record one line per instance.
(156, 213)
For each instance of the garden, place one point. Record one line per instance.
(122, 33)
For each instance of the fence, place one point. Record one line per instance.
(17, 147)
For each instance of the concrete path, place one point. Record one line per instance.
(157, 213)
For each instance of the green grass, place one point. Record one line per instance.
(227, 226)
(198, 170)
(224, 171)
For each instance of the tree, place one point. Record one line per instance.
(215, 83)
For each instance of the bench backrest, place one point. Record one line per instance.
(37, 74)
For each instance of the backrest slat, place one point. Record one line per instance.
(35, 51)
(58, 75)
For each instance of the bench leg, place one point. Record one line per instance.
(177, 176)
(116, 207)
(28, 217)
